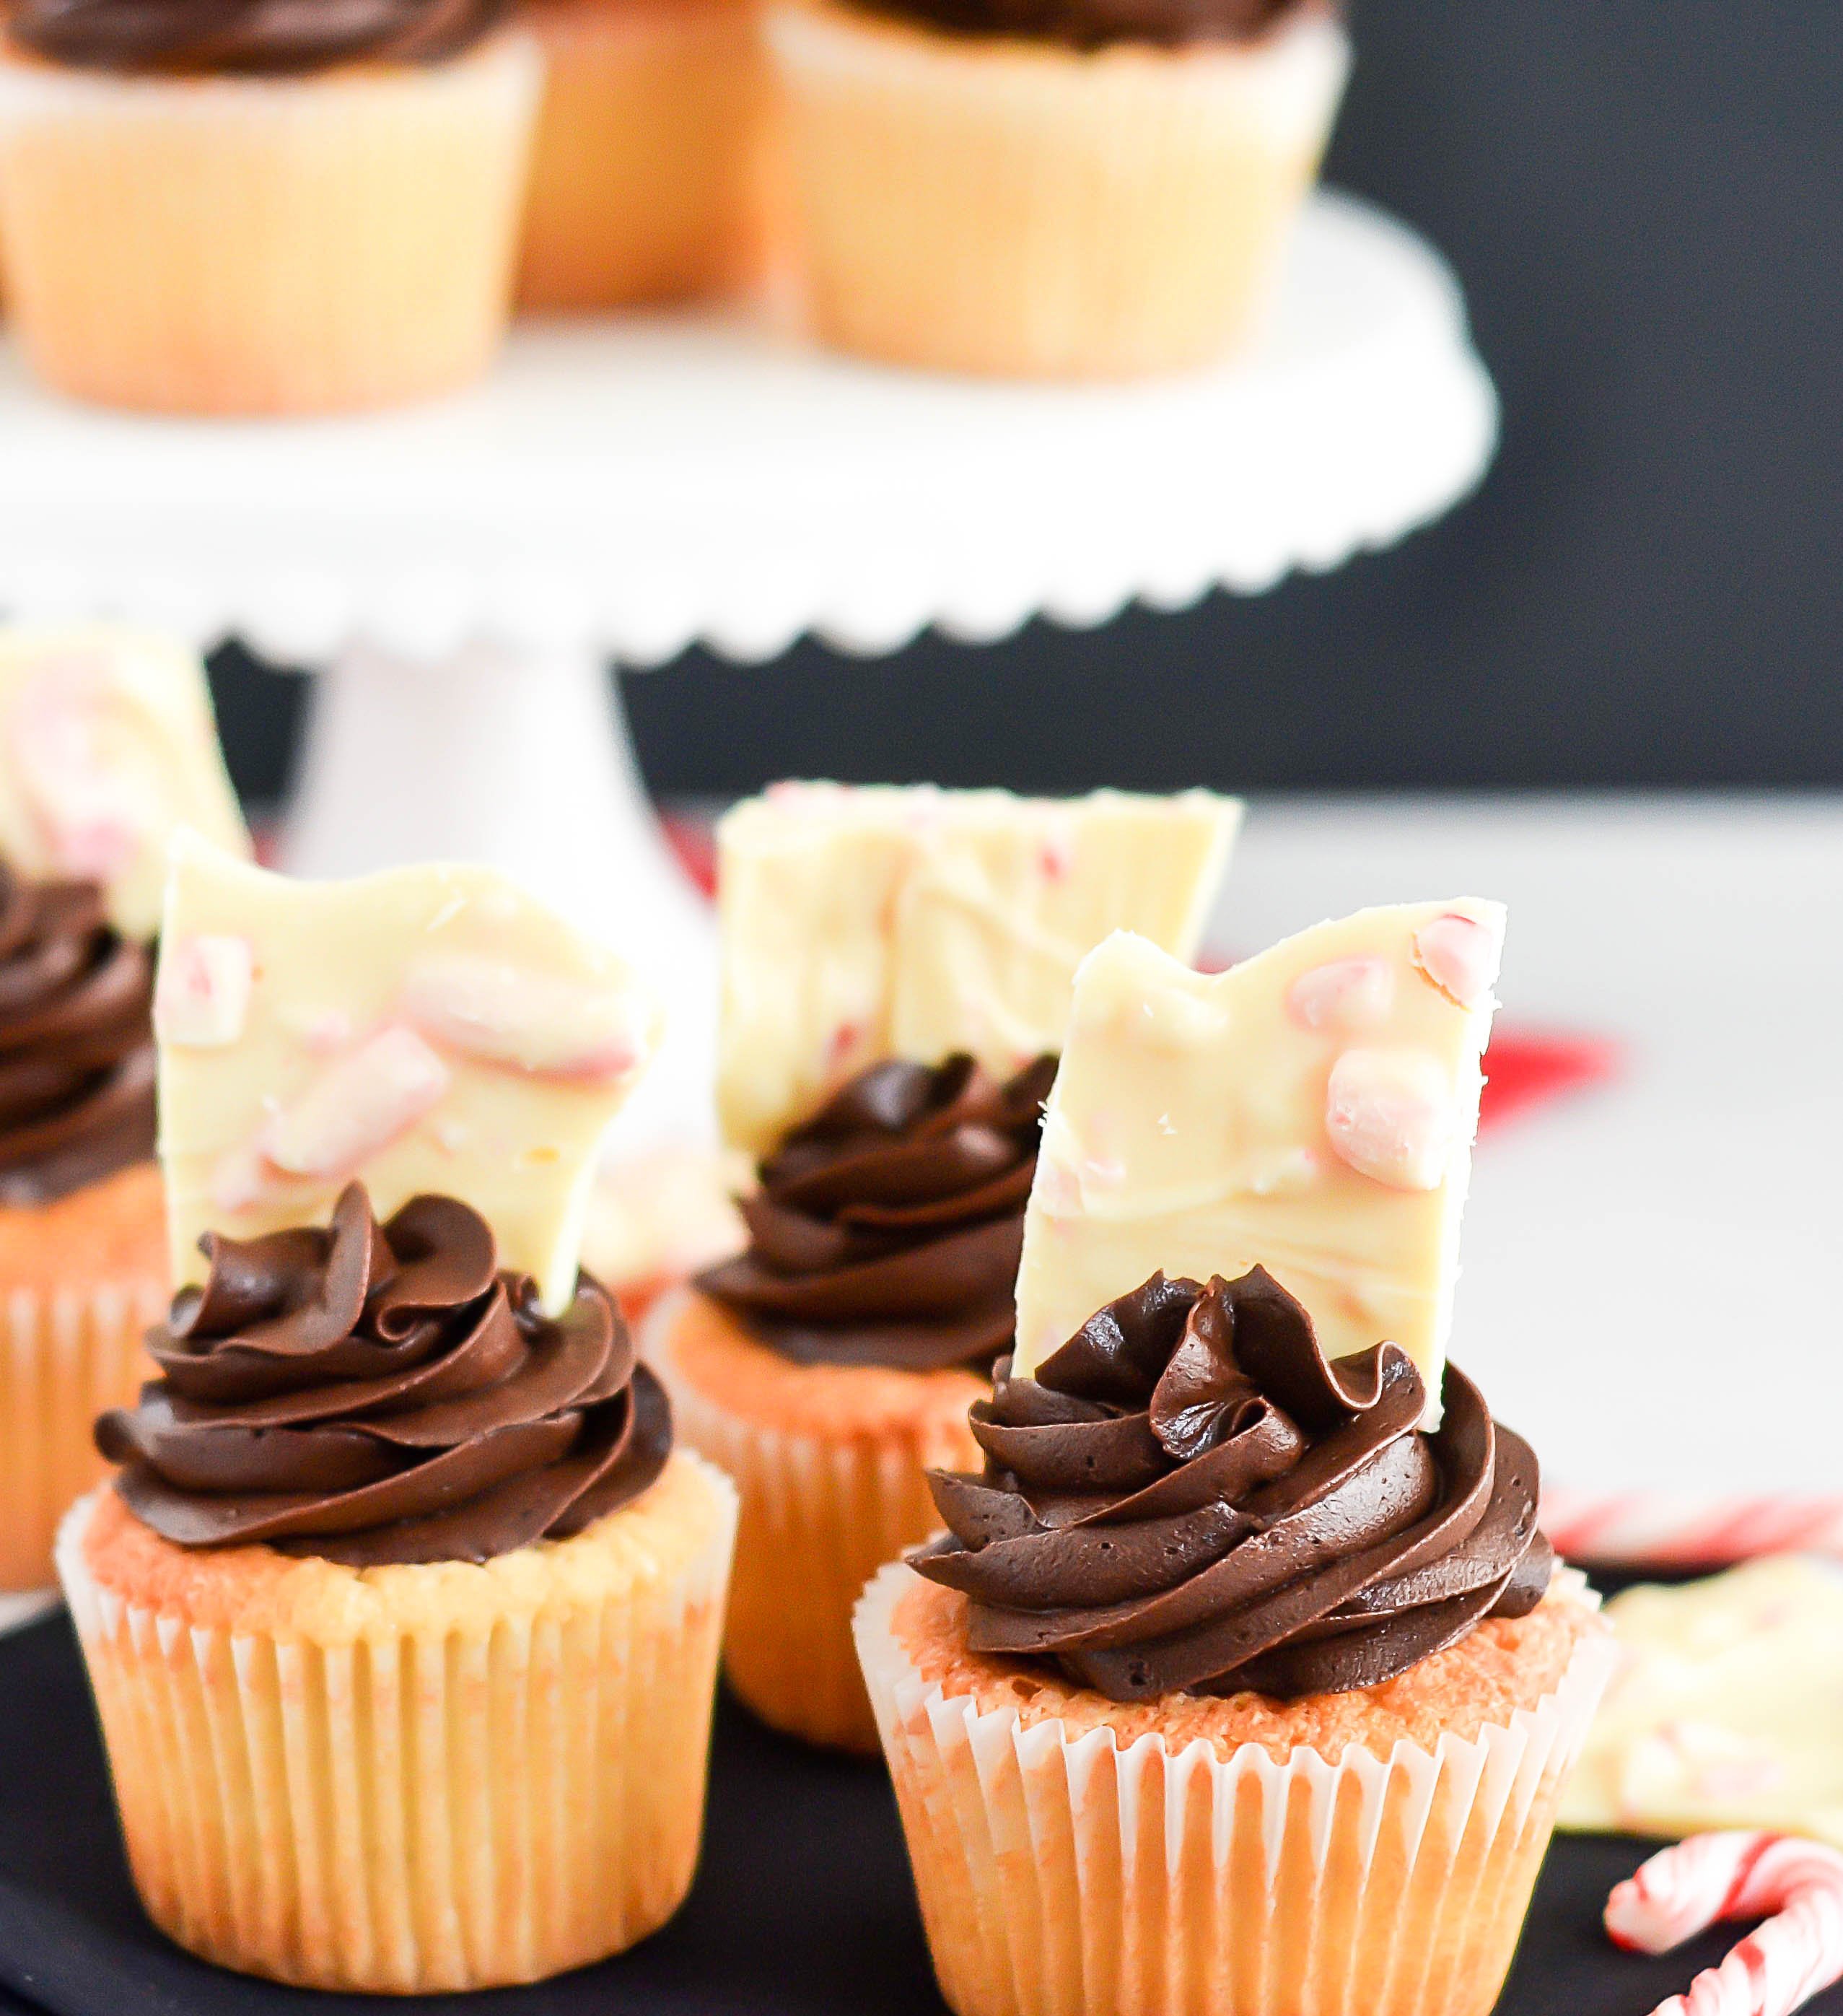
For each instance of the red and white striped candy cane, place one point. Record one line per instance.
(1780, 1964)
(1646, 1529)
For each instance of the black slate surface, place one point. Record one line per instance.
(802, 1907)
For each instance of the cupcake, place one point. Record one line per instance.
(105, 742)
(647, 170)
(896, 966)
(1064, 188)
(400, 1522)
(225, 209)
(1242, 1680)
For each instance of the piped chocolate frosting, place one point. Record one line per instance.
(370, 1394)
(77, 1055)
(887, 1228)
(1091, 24)
(1188, 1496)
(254, 37)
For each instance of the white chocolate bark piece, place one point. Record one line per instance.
(863, 923)
(107, 745)
(430, 1028)
(1726, 1710)
(1311, 1110)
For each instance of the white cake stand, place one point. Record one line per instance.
(466, 570)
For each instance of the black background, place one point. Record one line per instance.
(1644, 199)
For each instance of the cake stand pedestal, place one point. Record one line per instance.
(466, 570)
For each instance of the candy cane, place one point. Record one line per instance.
(1779, 1965)
(1642, 1529)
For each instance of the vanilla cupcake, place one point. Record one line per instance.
(262, 211)
(647, 176)
(1242, 1680)
(1281, 1691)
(1063, 188)
(401, 1521)
(105, 742)
(830, 1365)
(896, 966)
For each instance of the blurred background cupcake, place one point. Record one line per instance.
(230, 209)
(647, 174)
(895, 968)
(106, 742)
(1054, 188)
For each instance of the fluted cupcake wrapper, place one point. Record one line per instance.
(1073, 1877)
(819, 1517)
(65, 1357)
(408, 1814)
(645, 176)
(229, 245)
(1011, 206)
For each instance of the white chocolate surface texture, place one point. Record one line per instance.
(863, 923)
(107, 745)
(429, 1028)
(1311, 1110)
(1727, 1709)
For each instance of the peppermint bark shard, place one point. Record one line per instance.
(428, 1029)
(107, 745)
(861, 923)
(1311, 1110)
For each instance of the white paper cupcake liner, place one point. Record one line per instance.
(65, 1357)
(1073, 1877)
(1008, 204)
(265, 245)
(402, 1814)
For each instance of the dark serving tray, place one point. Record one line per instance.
(802, 1907)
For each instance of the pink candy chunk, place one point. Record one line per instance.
(203, 994)
(1057, 1189)
(357, 1106)
(1055, 857)
(1390, 1115)
(1460, 956)
(1345, 994)
(94, 813)
(503, 1014)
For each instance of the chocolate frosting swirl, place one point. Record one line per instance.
(1090, 24)
(254, 37)
(887, 1229)
(373, 1393)
(1187, 1497)
(76, 1057)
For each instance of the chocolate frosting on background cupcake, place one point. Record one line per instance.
(1090, 24)
(370, 1394)
(1188, 1495)
(77, 1054)
(257, 38)
(887, 1230)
